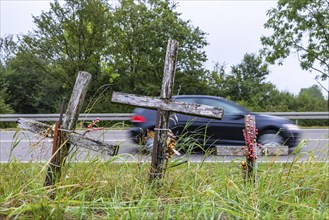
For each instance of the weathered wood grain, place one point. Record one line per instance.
(169, 69)
(76, 101)
(94, 145)
(160, 145)
(72, 112)
(73, 138)
(168, 105)
(35, 127)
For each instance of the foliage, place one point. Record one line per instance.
(28, 89)
(140, 32)
(6, 46)
(123, 46)
(279, 101)
(301, 26)
(245, 83)
(311, 99)
(69, 38)
(8, 49)
(5, 108)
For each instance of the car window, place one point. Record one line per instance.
(189, 100)
(229, 109)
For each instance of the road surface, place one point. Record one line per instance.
(25, 147)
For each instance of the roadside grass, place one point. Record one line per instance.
(98, 189)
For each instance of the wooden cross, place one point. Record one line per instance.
(165, 105)
(66, 135)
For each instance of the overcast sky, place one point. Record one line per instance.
(234, 28)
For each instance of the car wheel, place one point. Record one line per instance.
(270, 138)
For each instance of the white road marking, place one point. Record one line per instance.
(49, 141)
(323, 139)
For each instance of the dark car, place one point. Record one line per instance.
(211, 132)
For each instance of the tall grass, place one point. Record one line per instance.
(100, 189)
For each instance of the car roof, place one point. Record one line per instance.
(198, 96)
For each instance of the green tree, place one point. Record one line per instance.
(4, 107)
(311, 99)
(124, 46)
(27, 88)
(279, 101)
(8, 48)
(245, 83)
(247, 78)
(300, 26)
(70, 37)
(140, 33)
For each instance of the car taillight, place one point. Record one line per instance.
(138, 118)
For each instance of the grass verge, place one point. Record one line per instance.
(109, 190)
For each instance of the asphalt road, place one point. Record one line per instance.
(26, 147)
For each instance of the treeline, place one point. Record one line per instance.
(123, 46)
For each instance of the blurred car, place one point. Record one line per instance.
(272, 130)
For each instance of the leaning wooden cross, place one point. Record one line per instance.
(66, 131)
(165, 105)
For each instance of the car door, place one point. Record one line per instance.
(228, 130)
(186, 125)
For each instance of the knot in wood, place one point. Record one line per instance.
(165, 100)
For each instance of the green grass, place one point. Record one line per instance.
(109, 190)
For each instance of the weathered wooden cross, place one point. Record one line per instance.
(65, 135)
(165, 105)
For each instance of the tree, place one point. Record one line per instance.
(302, 26)
(124, 46)
(244, 84)
(247, 78)
(311, 99)
(27, 88)
(70, 38)
(4, 107)
(140, 33)
(8, 48)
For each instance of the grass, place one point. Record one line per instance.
(109, 190)
(98, 189)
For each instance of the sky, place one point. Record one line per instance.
(234, 28)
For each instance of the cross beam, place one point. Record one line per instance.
(73, 138)
(168, 105)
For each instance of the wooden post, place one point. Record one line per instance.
(251, 148)
(161, 129)
(69, 123)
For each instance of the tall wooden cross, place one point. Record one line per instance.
(165, 105)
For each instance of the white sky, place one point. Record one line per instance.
(234, 28)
